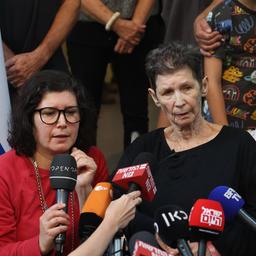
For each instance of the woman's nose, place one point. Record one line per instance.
(179, 100)
(62, 120)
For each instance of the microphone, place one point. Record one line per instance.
(94, 209)
(232, 204)
(138, 176)
(143, 243)
(206, 221)
(143, 236)
(171, 224)
(63, 174)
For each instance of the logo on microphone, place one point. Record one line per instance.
(100, 188)
(62, 168)
(232, 194)
(172, 217)
(211, 217)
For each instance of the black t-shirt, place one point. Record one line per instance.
(183, 177)
(25, 23)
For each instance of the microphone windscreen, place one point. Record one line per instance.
(99, 199)
(138, 176)
(230, 200)
(206, 219)
(143, 236)
(94, 209)
(171, 223)
(88, 223)
(63, 172)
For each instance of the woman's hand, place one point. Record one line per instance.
(165, 247)
(53, 222)
(121, 211)
(207, 39)
(210, 249)
(86, 168)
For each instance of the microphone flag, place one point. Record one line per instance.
(5, 106)
(144, 249)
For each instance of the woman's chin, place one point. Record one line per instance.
(60, 150)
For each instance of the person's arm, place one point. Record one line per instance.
(142, 11)
(213, 71)
(126, 29)
(206, 38)
(140, 17)
(117, 216)
(23, 66)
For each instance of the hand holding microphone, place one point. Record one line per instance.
(136, 177)
(117, 215)
(63, 174)
(122, 210)
(53, 222)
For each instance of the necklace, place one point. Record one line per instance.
(44, 206)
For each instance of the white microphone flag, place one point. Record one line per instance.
(5, 106)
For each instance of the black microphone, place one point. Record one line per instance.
(63, 174)
(171, 224)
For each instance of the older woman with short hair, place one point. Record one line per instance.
(193, 155)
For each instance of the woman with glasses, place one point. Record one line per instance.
(52, 115)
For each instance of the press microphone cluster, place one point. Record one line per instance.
(205, 222)
(63, 175)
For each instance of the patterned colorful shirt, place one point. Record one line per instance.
(237, 23)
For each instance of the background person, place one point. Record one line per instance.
(52, 115)
(32, 33)
(138, 29)
(193, 155)
(231, 68)
(206, 38)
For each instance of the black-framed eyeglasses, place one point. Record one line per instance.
(51, 115)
